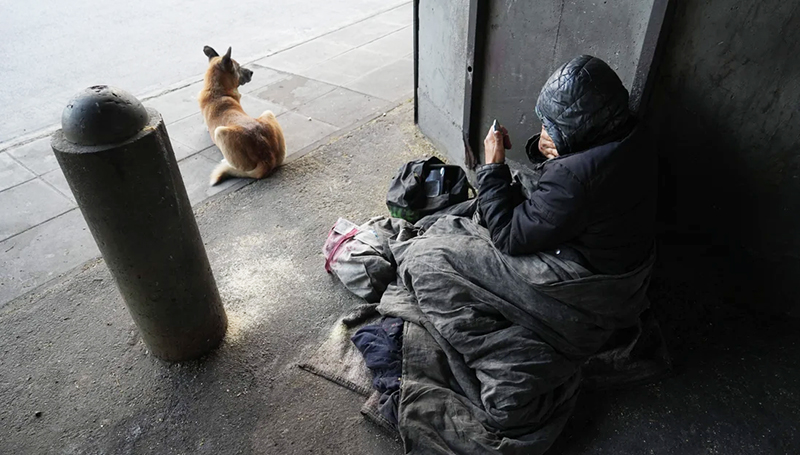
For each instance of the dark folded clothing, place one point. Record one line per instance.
(381, 345)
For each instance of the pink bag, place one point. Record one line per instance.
(339, 234)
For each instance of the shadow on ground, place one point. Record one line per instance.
(75, 377)
(734, 386)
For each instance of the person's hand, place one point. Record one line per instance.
(546, 145)
(495, 145)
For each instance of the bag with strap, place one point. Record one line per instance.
(360, 256)
(425, 186)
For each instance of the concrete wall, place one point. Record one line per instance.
(523, 44)
(726, 113)
(527, 41)
(442, 72)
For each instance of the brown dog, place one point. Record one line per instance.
(252, 147)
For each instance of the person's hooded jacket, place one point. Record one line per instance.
(598, 196)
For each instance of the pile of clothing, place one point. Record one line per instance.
(502, 325)
(481, 352)
(381, 346)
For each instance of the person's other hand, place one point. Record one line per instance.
(495, 145)
(546, 145)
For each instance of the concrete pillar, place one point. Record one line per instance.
(118, 161)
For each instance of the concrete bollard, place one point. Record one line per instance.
(118, 161)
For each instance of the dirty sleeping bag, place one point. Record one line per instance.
(492, 353)
(493, 344)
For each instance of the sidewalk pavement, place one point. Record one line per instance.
(75, 377)
(318, 89)
(71, 353)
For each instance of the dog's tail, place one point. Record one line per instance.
(224, 171)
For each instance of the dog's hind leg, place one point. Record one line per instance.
(235, 164)
(227, 139)
(268, 118)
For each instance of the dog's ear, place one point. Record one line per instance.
(210, 52)
(227, 63)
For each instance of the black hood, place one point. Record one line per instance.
(583, 104)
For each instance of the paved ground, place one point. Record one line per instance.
(71, 352)
(52, 49)
(75, 377)
(317, 88)
(70, 349)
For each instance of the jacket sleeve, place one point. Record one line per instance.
(549, 218)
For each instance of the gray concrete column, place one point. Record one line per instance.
(118, 161)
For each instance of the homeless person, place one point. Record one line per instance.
(503, 306)
(596, 193)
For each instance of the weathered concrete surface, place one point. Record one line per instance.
(52, 49)
(527, 41)
(724, 112)
(524, 42)
(71, 352)
(133, 199)
(336, 79)
(442, 72)
(734, 389)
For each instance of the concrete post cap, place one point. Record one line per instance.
(101, 115)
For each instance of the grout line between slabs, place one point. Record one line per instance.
(34, 227)
(173, 140)
(331, 57)
(68, 196)
(294, 156)
(20, 183)
(246, 182)
(36, 287)
(344, 130)
(13, 158)
(334, 31)
(26, 139)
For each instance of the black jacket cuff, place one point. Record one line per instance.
(491, 170)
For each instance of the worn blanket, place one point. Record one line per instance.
(493, 350)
